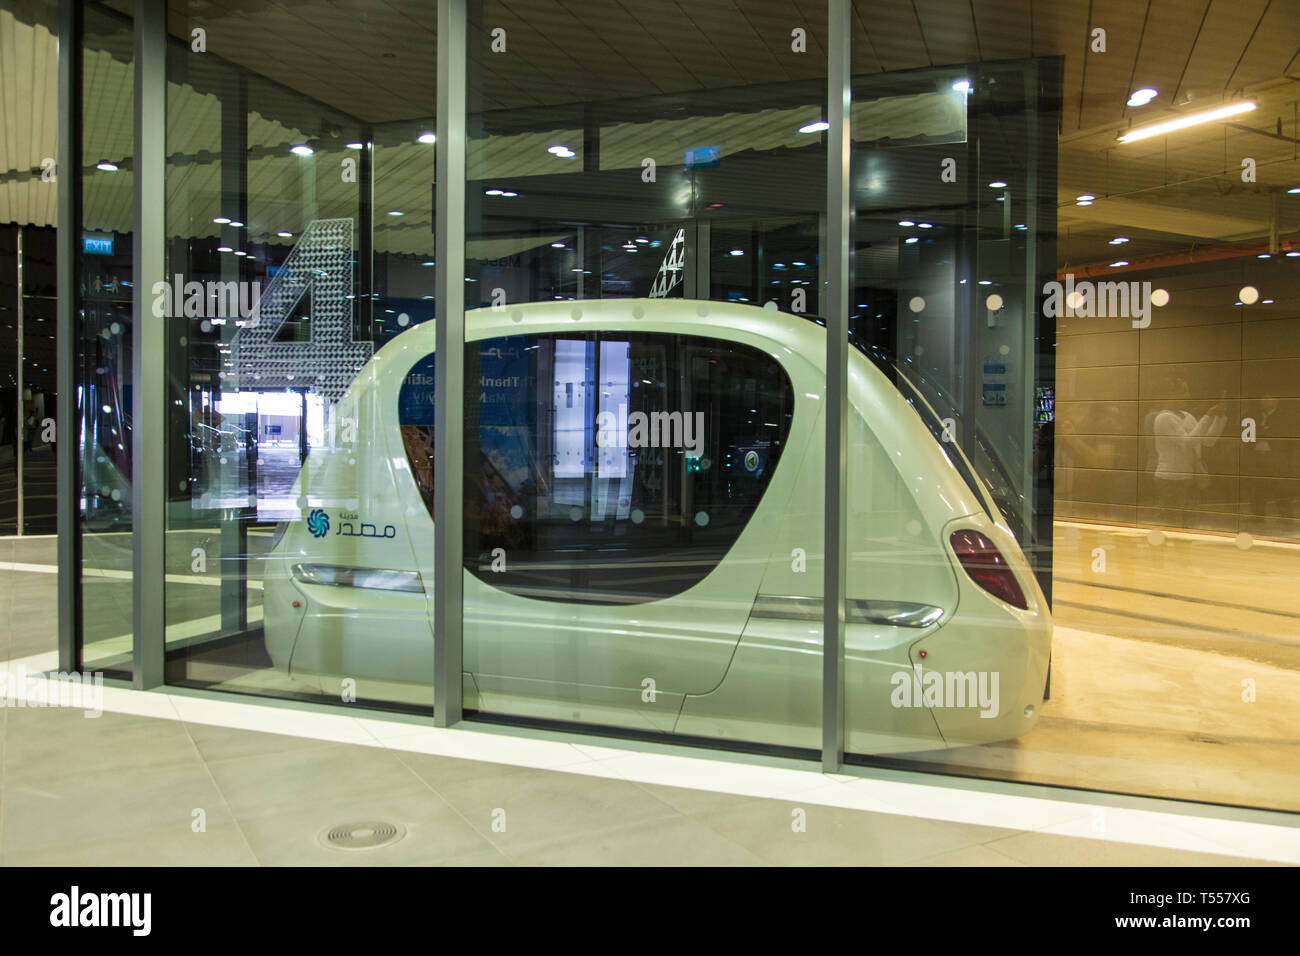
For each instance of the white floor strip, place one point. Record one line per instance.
(1091, 816)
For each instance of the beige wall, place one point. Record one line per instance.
(1111, 379)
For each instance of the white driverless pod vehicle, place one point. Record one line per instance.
(643, 534)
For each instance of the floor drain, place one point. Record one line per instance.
(361, 836)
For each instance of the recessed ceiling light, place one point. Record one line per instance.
(491, 192)
(1292, 255)
(798, 263)
(557, 245)
(925, 225)
(910, 240)
(107, 167)
(396, 212)
(1119, 240)
(284, 235)
(221, 220)
(986, 281)
(1085, 198)
(1294, 189)
(816, 127)
(223, 249)
(428, 263)
(1263, 255)
(240, 252)
(508, 194)
(1143, 96)
(1194, 119)
(1119, 262)
(906, 222)
(237, 224)
(737, 252)
(301, 150)
(427, 138)
(997, 184)
(642, 239)
(356, 145)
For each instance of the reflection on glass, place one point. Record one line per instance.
(104, 304)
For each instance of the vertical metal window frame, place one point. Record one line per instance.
(68, 338)
(148, 342)
(838, 242)
(449, 363)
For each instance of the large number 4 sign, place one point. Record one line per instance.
(321, 263)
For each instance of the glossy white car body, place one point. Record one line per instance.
(737, 655)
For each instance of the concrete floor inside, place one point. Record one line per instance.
(1151, 652)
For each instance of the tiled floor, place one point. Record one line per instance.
(132, 785)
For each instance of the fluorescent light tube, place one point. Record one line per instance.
(1193, 119)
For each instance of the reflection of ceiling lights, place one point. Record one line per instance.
(301, 150)
(1143, 96)
(737, 252)
(1119, 240)
(925, 225)
(221, 220)
(284, 235)
(356, 145)
(817, 127)
(107, 167)
(499, 192)
(910, 239)
(906, 222)
(562, 151)
(557, 245)
(1182, 122)
(997, 184)
(1294, 189)
(962, 86)
(223, 249)
(396, 212)
(1119, 262)
(427, 138)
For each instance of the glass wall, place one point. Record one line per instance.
(1084, 215)
(643, 384)
(1073, 262)
(105, 295)
(300, 239)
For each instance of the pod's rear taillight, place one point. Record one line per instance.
(987, 567)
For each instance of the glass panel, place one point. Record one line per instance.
(299, 225)
(40, 300)
(104, 263)
(643, 453)
(1058, 260)
(9, 378)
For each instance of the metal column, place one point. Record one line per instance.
(838, 243)
(68, 337)
(21, 433)
(148, 344)
(449, 364)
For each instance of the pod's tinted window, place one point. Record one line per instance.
(607, 467)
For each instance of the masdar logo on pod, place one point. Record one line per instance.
(318, 523)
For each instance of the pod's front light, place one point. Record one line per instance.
(380, 579)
